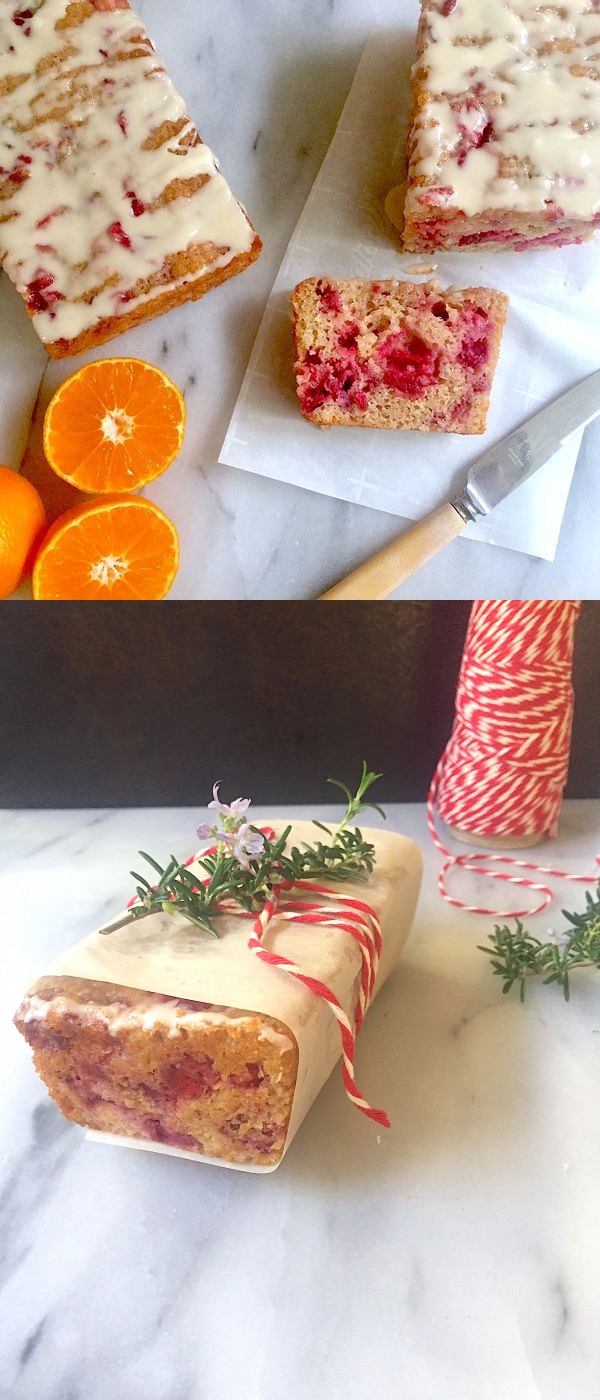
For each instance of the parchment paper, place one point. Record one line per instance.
(168, 955)
(21, 369)
(550, 341)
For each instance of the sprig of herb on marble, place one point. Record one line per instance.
(517, 955)
(246, 866)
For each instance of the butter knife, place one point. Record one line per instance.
(491, 479)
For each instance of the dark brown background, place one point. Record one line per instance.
(137, 704)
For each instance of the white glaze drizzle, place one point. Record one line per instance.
(498, 60)
(74, 131)
(282, 1042)
(116, 1015)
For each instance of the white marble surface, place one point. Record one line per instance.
(458, 1258)
(267, 91)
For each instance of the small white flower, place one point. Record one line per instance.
(243, 844)
(231, 830)
(233, 809)
(247, 843)
(561, 940)
(253, 842)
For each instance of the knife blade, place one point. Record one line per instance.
(518, 456)
(490, 480)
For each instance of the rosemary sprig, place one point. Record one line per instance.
(517, 955)
(246, 866)
(355, 804)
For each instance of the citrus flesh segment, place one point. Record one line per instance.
(111, 548)
(114, 425)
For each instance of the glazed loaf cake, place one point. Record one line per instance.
(112, 209)
(180, 1066)
(187, 1074)
(396, 354)
(504, 139)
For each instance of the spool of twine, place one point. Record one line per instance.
(507, 760)
(501, 778)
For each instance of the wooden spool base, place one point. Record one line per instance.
(497, 843)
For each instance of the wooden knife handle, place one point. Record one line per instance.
(379, 576)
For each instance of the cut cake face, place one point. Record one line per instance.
(186, 1074)
(396, 354)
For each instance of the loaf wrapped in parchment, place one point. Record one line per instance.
(161, 1036)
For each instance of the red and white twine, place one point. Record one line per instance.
(352, 916)
(505, 766)
(361, 922)
(502, 774)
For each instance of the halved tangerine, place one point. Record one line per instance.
(110, 548)
(114, 426)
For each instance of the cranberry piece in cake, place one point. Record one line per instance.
(396, 354)
(183, 1073)
(502, 146)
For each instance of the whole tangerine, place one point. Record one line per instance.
(22, 527)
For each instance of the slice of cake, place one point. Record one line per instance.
(503, 146)
(396, 354)
(183, 1073)
(112, 209)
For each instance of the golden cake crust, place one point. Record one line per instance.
(166, 301)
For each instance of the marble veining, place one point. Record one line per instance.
(456, 1257)
(267, 89)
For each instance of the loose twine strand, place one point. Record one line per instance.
(505, 766)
